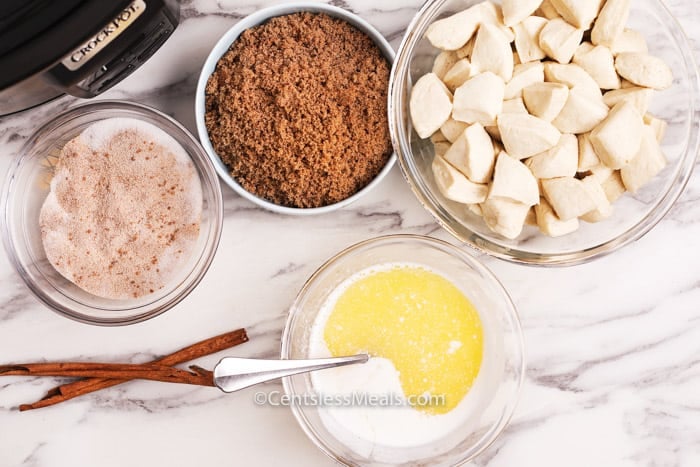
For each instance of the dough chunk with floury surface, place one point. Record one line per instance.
(505, 217)
(453, 32)
(458, 74)
(573, 76)
(550, 224)
(493, 14)
(441, 148)
(545, 100)
(509, 106)
(479, 100)
(443, 62)
(587, 157)
(515, 11)
(638, 96)
(492, 52)
(456, 186)
(659, 126)
(525, 135)
(630, 41)
(647, 164)
(617, 139)
(473, 154)
(547, 10)
(568, 197)
(560, 40)
(613, 186)
(598, 61)
(560, 161)
(581, 113)
(523, 76)
(579, 13)
(611, 22)
(603, 208)
(527, 39)
(431, 105)
(513, 180)
(453, 129)
(644, 70)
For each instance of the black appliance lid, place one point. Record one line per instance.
(35, 34)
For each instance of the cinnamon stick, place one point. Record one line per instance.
(124, 371)
(86, 386)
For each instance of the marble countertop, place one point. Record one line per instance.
(613, 347)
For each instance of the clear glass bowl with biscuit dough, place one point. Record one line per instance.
(492, 398)
(222, 46)
(28, 184)
(633, 216)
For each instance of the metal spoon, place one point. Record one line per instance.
(233, 374)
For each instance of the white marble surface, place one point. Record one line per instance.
(613, 347)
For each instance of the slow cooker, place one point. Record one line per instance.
(79, 47)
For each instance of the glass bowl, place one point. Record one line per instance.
(634, 215)
(222, 47)
(500, 378)
(27, 185)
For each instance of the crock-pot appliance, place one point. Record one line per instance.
(79, 47)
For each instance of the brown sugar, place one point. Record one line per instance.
(124, 211)
(297, 110)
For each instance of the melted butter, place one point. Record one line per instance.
(421, 322)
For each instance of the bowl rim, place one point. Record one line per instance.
(222, 46)
(484, 245)
(206, 256)
(464, 255)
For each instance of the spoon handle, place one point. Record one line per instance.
(233, 374)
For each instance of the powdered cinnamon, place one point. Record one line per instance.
(124, 210)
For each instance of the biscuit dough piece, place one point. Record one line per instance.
(644, 70)
(453, 32)
(598, 61)
(514, 181)
(524, 135)
(550, 224)
(611, 22)
(443, 62)
(527, 39)
(480, 99)
(638, 96)
(492, 52)
(603, 209)
(473, 154)
(581, 113)
(452, 129)
(523, 76)
(587, 157)
(560, 161)
(455, 186)
(568, 196)
(647, 164)
(618, 138)
(573, 76)
(630, 41)
(431, 105)
(505, 217)
(515, 11)
(545, 100)
(460, 72)
(560, 40)
(579, 13)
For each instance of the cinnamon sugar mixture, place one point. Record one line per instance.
(297, 110)
(124, 210)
